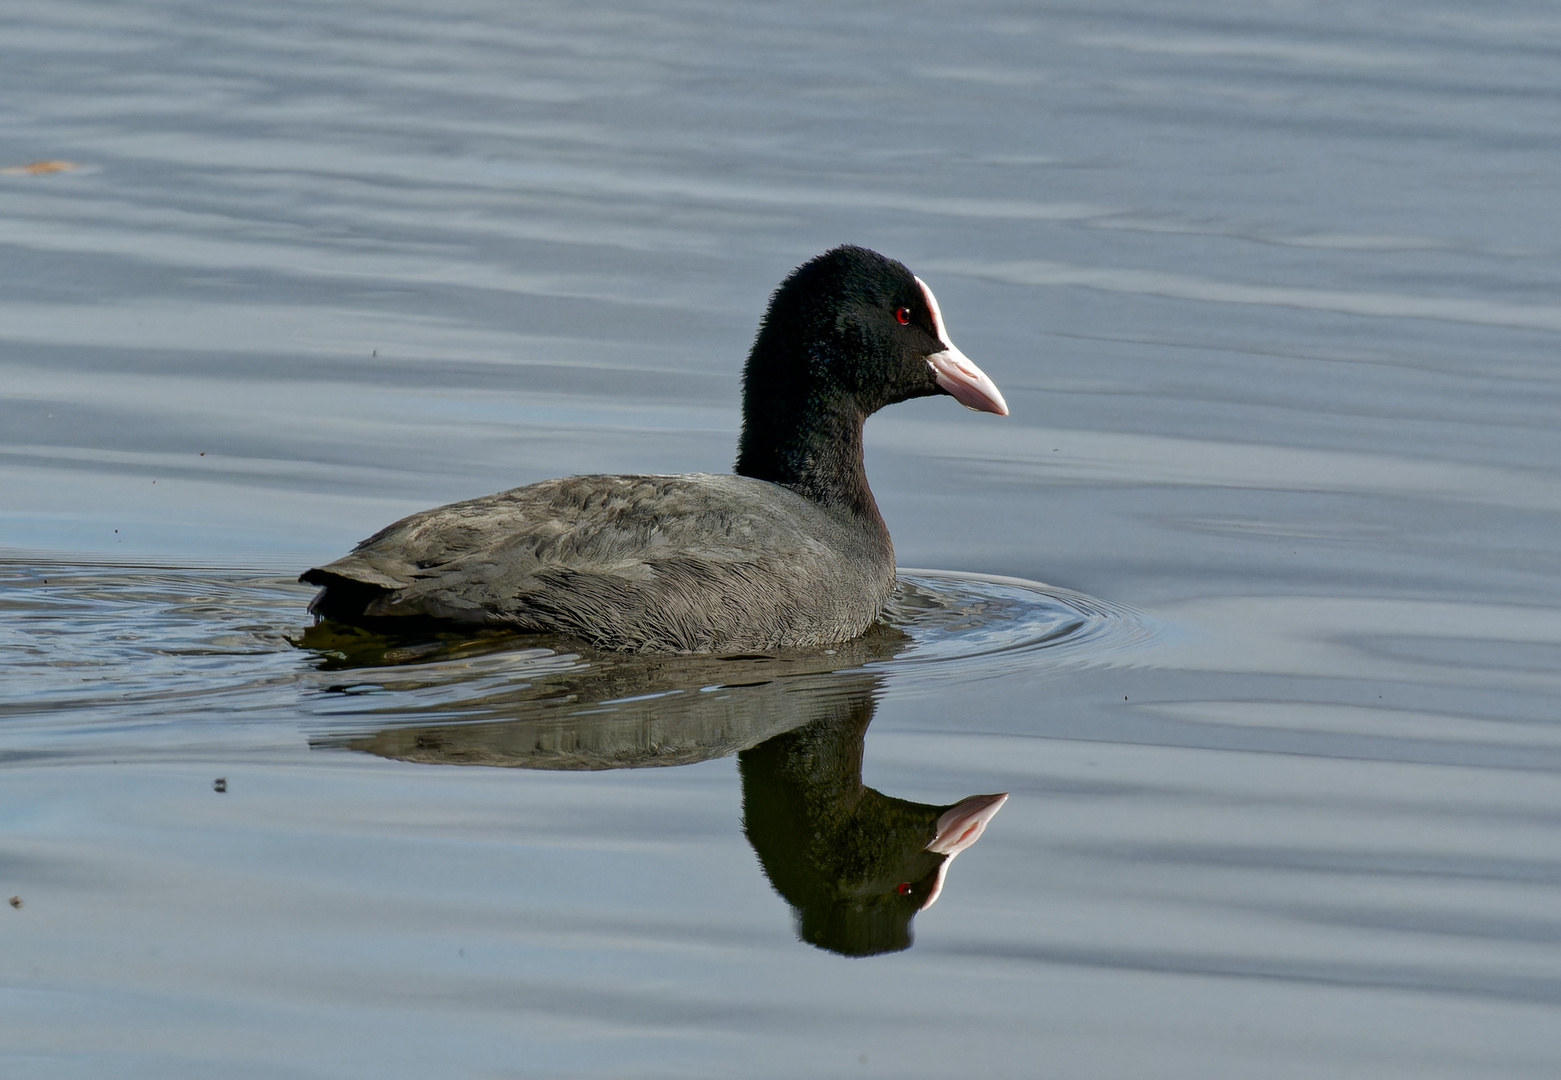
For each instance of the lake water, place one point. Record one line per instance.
(1272, 291)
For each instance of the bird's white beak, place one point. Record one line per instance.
(957, 373)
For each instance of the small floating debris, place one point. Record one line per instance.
(37, 168)
(16, 901)
(220, 785)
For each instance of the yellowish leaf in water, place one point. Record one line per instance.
(33, 168)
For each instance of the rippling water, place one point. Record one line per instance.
(1271, 291)
(158, 647)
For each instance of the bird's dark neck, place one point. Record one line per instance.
(801, 789)
(813, 446)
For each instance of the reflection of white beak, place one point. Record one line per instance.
(958, 827)
(955, 371)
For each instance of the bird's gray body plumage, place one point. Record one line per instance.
(697, 562)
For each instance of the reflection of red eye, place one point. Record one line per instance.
(903, 316)
(904, 886)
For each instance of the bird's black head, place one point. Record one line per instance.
(853, 323)
(846, 334)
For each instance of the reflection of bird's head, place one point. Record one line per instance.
(888, 866)
(855, 864)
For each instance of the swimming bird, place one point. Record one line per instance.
(788, 551)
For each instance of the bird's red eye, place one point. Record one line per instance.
(903, 316)
(904, 886)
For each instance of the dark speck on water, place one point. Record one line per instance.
(1283, 279)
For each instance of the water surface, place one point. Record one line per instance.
(1272, 294)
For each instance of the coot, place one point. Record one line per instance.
(789, 551)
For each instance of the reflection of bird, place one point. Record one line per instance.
(629, 710)
(790, 551)
(856, 865)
